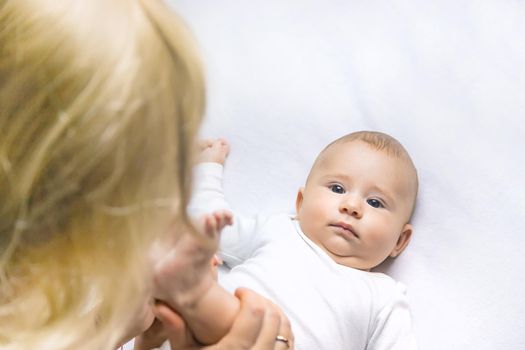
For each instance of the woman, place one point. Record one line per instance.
(100, 103)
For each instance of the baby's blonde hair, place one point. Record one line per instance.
(100, 102)
(381, 142)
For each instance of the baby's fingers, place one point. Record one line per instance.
(215, 222)
(224, 218)
(210, 225)
(205, 143)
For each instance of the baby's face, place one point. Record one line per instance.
(357, 203)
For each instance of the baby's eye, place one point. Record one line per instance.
(337, 189)
(375, 203)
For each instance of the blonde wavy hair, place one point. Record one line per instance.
(100, 102)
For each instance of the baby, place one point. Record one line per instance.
(353, 213)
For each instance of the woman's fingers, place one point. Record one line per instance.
(152, 338)
(175, 329)
(276, 332)
(248, 324)
(269, 331)
(287, 339)
(258, 324)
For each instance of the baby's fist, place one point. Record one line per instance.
(213, 150)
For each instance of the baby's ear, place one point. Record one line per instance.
(299, 199)
(402, 241)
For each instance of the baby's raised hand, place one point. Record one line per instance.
(213, 150)
(184, 273)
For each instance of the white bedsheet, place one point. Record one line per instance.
(445, 77)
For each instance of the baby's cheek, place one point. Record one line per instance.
(382, 238)
(319, 211)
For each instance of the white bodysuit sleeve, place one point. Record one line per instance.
(239, 240)
(392, 329)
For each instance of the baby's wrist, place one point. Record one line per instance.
(212, 157)
(187, 300)
(211, 161)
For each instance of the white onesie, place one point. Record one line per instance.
(330, 306)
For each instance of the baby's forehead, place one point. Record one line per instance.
(334, 152)
(333, 158)
(357, 147)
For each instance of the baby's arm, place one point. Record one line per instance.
(184, 279)
(208, 309)
(239, 241)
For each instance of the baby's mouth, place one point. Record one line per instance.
(345, 228)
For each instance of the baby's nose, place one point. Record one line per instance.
(351, 206)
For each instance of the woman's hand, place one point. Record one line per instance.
(260, 325)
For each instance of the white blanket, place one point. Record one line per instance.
(445, 77)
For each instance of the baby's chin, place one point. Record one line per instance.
(350, 261)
